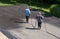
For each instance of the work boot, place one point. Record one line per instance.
(26, 21)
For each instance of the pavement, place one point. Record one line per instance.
(2, 36)
(17, 28)
(48, 30)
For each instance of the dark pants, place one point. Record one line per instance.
(39, 24)
(27, 18)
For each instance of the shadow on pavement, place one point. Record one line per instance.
(47, 15)
(8, 23)
(32, 28)
(8, 34)
(8, 15)
(53, 35)
(19, 22)
(53, 21)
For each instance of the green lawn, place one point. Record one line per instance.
(5, 4)
(44, 9)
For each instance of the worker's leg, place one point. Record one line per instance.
(27, 19)
(39, 25)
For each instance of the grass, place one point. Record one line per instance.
(44, 9)
(3, 4)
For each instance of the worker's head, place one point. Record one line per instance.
(39, 13)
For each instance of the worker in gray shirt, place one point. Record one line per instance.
(39, 18)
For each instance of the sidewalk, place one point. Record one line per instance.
(2, 36)
(27, 31)
(23, 30)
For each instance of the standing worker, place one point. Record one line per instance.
(27, 14)
(39, 18)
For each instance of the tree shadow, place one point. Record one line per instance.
(53, 35)
(53, 21)
(20, 21)
(46, 15)
(10, 17)
(8, 23)
(32, 28)
(8, 34)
